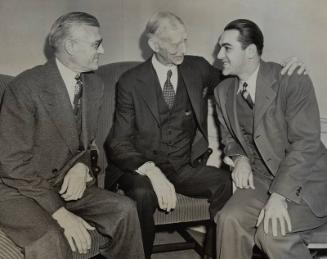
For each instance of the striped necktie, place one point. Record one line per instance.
(78, 93)
(246, 95)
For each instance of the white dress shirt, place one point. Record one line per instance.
(162, 70)
(69, 79)
(251, 84)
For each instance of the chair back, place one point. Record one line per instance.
(110, 74)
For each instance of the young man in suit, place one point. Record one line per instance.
(158, 144)
(271, 129)
(48, 120)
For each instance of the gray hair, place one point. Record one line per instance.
(61, 27)
(159, 22)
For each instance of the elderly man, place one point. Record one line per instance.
(159, 141)
(271, 129)
(48, 121)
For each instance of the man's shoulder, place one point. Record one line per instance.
(223, 86)
(288, 81)
(29, 78)
(195, 61)
(137, 70)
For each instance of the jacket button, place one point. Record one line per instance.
(155, 152)
(55, 170)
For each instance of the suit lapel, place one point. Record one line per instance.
(56, 101)
(194, 90)
(231, 110)
(264, 93)
(90, 102)
(147, 88)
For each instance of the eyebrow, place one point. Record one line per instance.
(225, 44)
(98, 42)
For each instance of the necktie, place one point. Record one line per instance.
(78, 93)
(168, 91)
(246, 95)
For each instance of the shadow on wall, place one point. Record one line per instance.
(146, 51)
(48, 51)
(217, 63)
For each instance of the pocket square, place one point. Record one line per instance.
(188, 113)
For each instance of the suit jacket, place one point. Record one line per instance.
(39, 141)
(135, 134)
(286, 133)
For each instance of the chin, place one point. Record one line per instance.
(225, 72)
(179, 61)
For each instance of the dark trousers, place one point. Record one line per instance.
(39, 235)
(202, 182)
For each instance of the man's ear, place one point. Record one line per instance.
(153, 44)
(251, 51)
(69, 46)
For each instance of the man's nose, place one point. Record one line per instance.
(221, 53)
(100, 49)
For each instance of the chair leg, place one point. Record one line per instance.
(190, 240)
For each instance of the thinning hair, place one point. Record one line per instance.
(250, 33)
(61, 27)
(162, 21)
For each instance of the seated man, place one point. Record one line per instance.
(48, 197)
(159, 140)
(270, 127)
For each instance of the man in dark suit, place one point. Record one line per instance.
(158, 144)
(48, 197)
(271, 129)
(159, 141)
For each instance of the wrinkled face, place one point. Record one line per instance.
(86, 47)
(231, 53)
(171, 46)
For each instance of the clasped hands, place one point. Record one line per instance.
(75, 228)
(275, 209)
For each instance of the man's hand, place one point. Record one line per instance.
(290, 64)
(74, 183)
(75, 230)
(164, 190)
(242, 174)
(276, 211)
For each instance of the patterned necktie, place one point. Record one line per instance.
(78, 93)
(168, 91)
(246, 95)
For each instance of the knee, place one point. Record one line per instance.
(52, 239)
(126, 206)
(144, 195)
(229, 216)
(266, 241)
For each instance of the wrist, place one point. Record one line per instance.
(146, 168)
(240, 158)
(278, 196)
(57, 214)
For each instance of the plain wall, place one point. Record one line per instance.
(293, 27)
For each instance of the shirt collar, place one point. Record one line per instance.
(251, 82)
(162, 70)
(68, 77)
